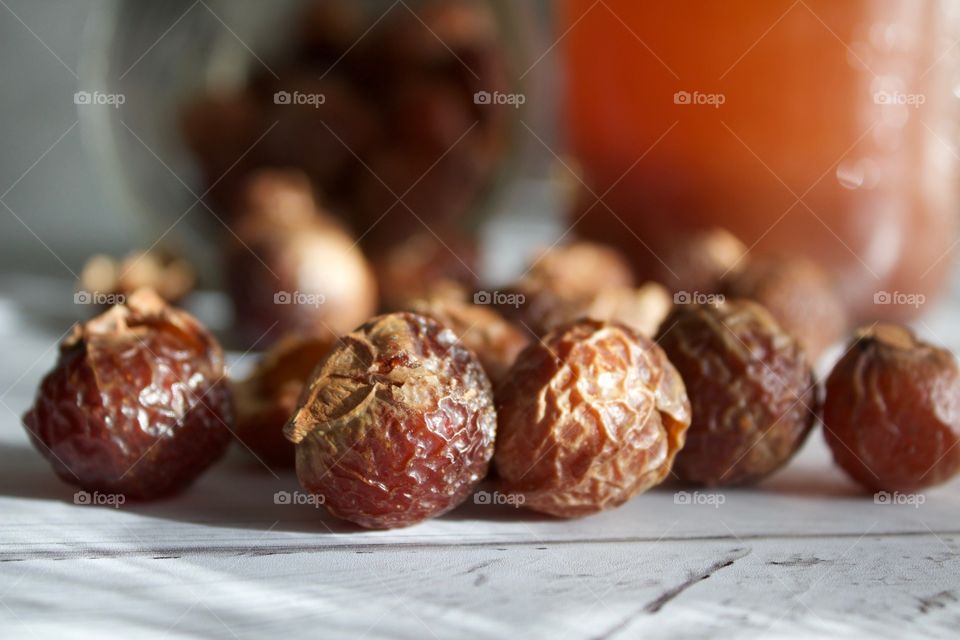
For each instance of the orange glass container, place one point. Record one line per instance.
(820, 127)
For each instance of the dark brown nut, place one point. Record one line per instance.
(437, 193)
(328, 29)
(697, 263)
(293, 270)
(495, 341)
(892, 411)
(321, 126)
(751, 387)
(136, 404)
(588, 418)
(424, 265)
(171, 277)
(397, 424)
(798, 293)
(265, 400)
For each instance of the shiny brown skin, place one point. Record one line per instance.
(798, 293)
(495, 341)
(397, 424)
(135, 404)
(892, 411)
(752, 390)
(588, 418)
(265, 400)
(285, 245)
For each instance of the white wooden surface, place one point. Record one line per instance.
(804, 555)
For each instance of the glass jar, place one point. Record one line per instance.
(820, 127)
(160, 56)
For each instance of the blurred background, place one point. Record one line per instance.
(450, 142)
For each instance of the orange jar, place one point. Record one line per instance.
(823, 127)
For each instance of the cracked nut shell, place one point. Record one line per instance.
(588, 418)
(397, 424)
(892, 411)
(752, 390)
(136, 404)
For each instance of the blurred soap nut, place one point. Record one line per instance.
(425, 265)
(495, 341)
(170, 276)
(583, 280)
(291, 267)
(698, 262)
(377, 110)
(264, 401)
(799, 293)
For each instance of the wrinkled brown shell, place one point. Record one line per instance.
(397, 424)
(751, 387)
(482, 330)
(892, 411)
(135, 404)
(265, 401)
(801, 296)
(588, 418)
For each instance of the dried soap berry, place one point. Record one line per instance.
(571, 282)
(266, 400)
(587, 418)
(640, 309)
(798, 293)
(698, 262)
(892, 411)
(494, 340)
(397, 424)
(291, 269)
(104, 277)
(751, 387)
(423, 265)
(136, 404)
